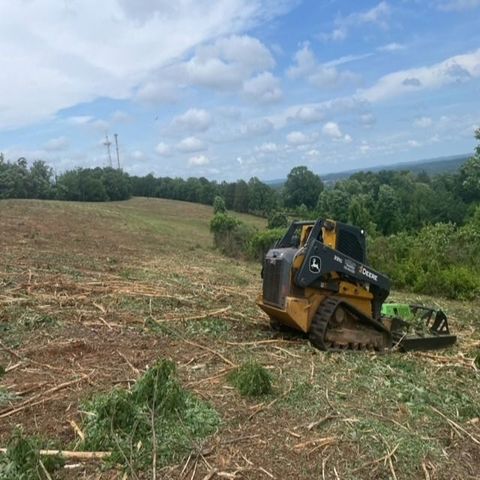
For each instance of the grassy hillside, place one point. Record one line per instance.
(94, 294)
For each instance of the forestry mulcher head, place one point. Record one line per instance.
(316, 280)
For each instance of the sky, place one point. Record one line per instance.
(232, 89)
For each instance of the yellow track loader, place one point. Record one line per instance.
(316, 280)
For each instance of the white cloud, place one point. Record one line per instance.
(57, 144)
(264, 88)
(256, 127)
(80, 119)
(332, 130)
(80, 51)
(457, 5)
(413, 143)
(317, 111)
(377, 16)
(198, 161)
(391, 47)
(298, 138)
(367, 119)
(422, 122)
(157, 91)
(313, 153)
(267, 147)
(193, 120)
(191, 144)
(309, 114)
(118, 116)
(138, 155)
(317, 74)
(455, 69)
(364, 147)
(226, 63)
(163, 149)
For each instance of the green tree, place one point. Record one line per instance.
(261, 198)
(388, 210)
(334, 203)
(358, 211)
(240, 200)
(41, 180)
(302, 186)
(470, 175)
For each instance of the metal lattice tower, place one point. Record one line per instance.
(108, 143)
(116, 148)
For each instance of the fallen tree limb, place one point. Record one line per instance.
(71, 455)
(456, 426)
(195, 317)
(211, 350)
(31, 401)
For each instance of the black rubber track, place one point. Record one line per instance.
(321, 321)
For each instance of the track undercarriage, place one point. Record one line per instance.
(338, 326)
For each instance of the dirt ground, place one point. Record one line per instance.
(93, 294)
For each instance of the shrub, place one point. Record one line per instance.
(219, 205)
(261, 242)
(231, 236)
(251, 379)
(277, 220)
(439, 260)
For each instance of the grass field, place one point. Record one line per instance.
(91, 295)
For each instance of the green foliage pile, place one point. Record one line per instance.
(157, 415)
(251, 379)
(23, 462)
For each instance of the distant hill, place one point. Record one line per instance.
(432, 166)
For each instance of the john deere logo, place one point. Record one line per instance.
(315, 264)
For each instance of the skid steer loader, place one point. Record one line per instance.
(316, 280)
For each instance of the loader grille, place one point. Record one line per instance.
(272, 275)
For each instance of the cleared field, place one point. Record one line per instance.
(91, 295)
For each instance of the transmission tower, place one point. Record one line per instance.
(116, 148)
(108, 143)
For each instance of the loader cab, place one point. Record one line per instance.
(347, 239)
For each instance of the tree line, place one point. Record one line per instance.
(19, 180)
(385, 202)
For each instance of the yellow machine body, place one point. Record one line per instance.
(302, 304)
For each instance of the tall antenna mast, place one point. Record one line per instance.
(107, 143)
(116, 147)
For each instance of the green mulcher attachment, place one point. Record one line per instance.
(415, 327)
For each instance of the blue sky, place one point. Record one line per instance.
(238, 88)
